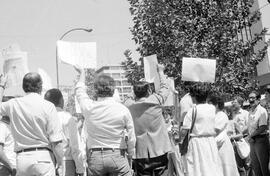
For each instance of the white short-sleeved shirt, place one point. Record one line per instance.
(241, 118)
(7, 140)
(205, 120)
(185, 105)
(73, 146)
(257, 118)
(34, 121)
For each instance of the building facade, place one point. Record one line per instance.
(118, 74)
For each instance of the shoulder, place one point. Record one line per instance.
(262, 109)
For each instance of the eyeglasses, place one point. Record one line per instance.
(252, 97)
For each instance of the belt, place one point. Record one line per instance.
(34, 149)
(104, 149)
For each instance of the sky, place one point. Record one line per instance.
(36, 25)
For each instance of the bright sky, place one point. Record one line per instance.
(36, 25)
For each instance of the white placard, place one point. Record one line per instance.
(171, 96)
(15, 67)
(116, 95)
(77, 106)
(78, 53)
(150, 70)
(198, 70)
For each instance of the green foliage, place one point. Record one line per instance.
(89, 82)
(215, 29)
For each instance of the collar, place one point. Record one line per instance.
(59, 109)
(33, 93)
(256, 108)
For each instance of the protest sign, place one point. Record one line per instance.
(116, 95)
(14, 67)
(198, 70)
(171, 97)
(77, 106)
(150, 70)
(77, 53)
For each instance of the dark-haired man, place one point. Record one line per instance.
(73, 159)
(153, 142)
(258, 135)
(106, 123)
(35, 128)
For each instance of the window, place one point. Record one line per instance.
(126, 89)
(125, 83)
(119, 89)
(116, 75)
(117, 83)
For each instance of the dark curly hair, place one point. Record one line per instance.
(140, 89)
(217, 100)
(54, 96)
(104, 86)
(32, 82)
(199, 92)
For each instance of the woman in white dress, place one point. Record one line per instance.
(224, 144)
(202, 157)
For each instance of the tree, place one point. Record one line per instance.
(89, 82)
(134, 71)
(216, 29)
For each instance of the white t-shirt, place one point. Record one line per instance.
(7, 140)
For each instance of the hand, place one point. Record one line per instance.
(3, 80)
(13, 172)
(79, 69)
(160, 68)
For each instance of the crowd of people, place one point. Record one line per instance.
(39, 138)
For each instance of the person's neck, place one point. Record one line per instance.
(253, 107)
(59, 108)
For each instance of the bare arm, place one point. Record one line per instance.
(4, 159)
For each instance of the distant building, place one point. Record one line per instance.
(118, 74)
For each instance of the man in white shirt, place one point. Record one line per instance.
(106, 122)
(35, 127)
(73, 160)
(7, 154)
(258, 135)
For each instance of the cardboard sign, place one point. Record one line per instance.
(198, 70)
(15, 67)
(171, 98)
(150, 70)
(78, 53)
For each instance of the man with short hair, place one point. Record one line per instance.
(258, 135)
(35, 128)
(153, 143)
(73, 160)
(106, 123)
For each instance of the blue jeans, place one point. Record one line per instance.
(108, 163)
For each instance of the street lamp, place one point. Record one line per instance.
(57, 62)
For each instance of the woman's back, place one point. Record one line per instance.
(205, 120)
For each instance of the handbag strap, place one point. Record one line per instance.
(194, 116)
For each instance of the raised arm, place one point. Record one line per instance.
(162, 94)
(80, 90)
